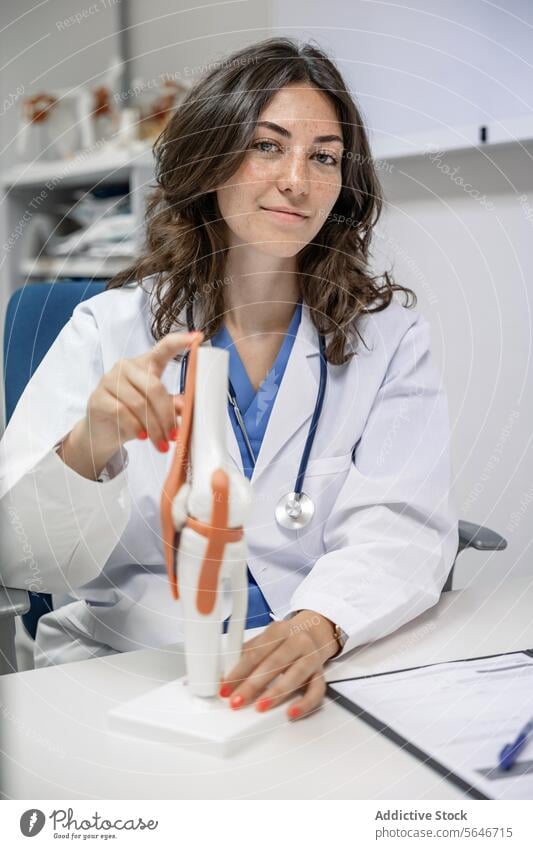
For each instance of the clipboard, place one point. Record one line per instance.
(398, 738)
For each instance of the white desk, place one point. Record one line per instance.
(57, 746)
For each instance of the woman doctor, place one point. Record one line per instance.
(258, 235)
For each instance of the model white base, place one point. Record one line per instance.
(172, 715)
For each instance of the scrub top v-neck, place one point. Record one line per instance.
(255, 408)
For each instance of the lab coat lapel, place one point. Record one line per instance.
(294, 402)
(296, 396)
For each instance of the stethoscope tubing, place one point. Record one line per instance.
(298, 488)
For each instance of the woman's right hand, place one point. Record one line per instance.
(131, 402)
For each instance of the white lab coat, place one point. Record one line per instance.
(376, 554)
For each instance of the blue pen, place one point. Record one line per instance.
(510, 752)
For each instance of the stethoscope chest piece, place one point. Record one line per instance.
(294, 510)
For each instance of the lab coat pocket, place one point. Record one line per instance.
(328, 465)
(323, 481)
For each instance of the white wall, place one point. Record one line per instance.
(468, 256)
(181, 37)
(40, 52)
(471, 264)
(423, 64)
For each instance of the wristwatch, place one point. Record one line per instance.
(341, 637)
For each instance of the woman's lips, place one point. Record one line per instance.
(290, 217)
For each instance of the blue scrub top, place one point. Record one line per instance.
(255, 410)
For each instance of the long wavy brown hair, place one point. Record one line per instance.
(202, 146)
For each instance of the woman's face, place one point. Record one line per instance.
(294, 163)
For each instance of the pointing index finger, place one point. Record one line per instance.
(170, 345)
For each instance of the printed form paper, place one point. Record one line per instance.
(461, 714)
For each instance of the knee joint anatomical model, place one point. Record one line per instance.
(204, 505)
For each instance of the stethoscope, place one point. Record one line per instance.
(294, 510)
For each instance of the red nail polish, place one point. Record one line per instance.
(263, 704)
(237, 701)
(225, 690)
(173, 434)
(162, 445)
(142, 434)
(294, 712)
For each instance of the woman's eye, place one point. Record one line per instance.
(258, 146)
(332, 160)
(266, 146)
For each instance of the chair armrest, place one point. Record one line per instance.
(13, 602)
(479, 537)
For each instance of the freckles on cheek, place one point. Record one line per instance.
(327, 193)
(253, 173)
(249, 185)
(247, 182)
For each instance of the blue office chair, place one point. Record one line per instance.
(35, 315)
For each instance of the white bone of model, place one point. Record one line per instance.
(206, 659)
(188, 711)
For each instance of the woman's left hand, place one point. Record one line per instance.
(294, 649)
